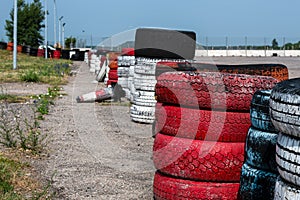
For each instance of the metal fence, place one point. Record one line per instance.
(250, 43)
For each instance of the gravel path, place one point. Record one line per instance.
(95, 151)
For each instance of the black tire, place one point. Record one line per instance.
(284, 190)
(285, 107)
(288, 158)
(33, 51)
(259, 111)
(3, 45)
(260, 150)
(256, 184)
(163, 43)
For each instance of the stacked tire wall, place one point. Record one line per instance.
(151, 47)
(125, 61)
(113, 68)
(144, 80)
(202, 120)
(259, 172)
(285, 115)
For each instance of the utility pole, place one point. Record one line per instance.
(46, 30)
(55, 14)
(59, 30)
(63, 35)
(15, 33)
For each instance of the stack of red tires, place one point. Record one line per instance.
(113, 68)
(202, 120)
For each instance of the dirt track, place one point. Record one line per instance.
(95, 151)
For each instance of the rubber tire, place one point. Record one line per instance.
(164, 66)
(197, 159)
(113, 74)
(202, 124)
(259, 111)
(277, 71)
(126, 61)
(260, 150)
(285, 107)
(210, 90)
(169, 188)
(256, 184)
(144, 98)
(146, 66)
(288, 158)
(123, 71)
(284, 190)
(143, 82)
(123, 82)
(142, 114)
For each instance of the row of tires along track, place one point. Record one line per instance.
(202, 123)
(58, 53)
(207, 143)
(221, 131)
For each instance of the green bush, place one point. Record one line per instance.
(30, 76)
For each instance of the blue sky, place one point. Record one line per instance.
(215, 19)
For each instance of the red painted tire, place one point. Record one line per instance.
(169, 188)
(113, 74)
(202, 124)
(277, 71)
(128, 52)
(197, 159)
(211, 90)
(110, 82)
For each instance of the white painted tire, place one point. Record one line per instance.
(146, 83)
(146, 66)
(143, 98)
(102, 73)
(131, 71)
(126, 60)
(288, 158)
(284, 107)
(123, 71)
(123, 82)
(142, 114)
(286, 191)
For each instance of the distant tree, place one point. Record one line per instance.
(70, 42)
(30, 23)
(274, 44)
(289, 46)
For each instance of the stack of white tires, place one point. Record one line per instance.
(285, 115)
(144, 81)
(124, 63)
(153, 46)
(94, 62)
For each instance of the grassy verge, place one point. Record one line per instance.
(33, 69)
(16, 182)
(22, 134)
